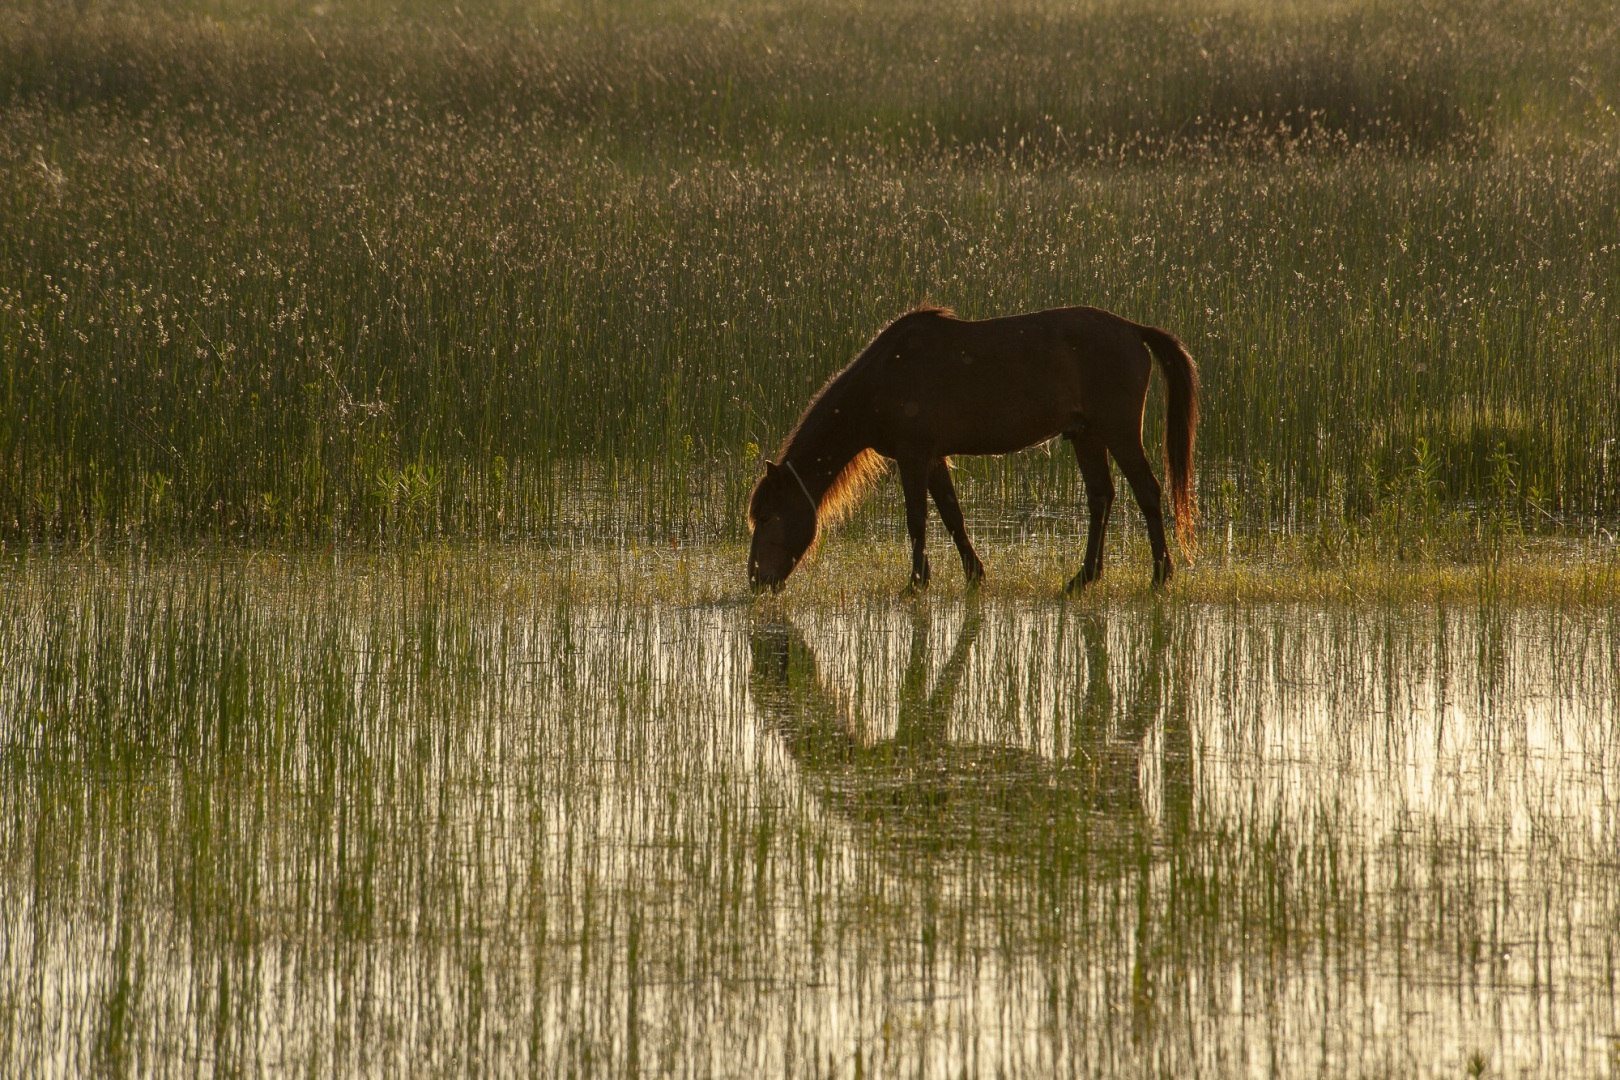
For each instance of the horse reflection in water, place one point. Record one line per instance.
(920, 787)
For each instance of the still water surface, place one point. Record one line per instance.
(313, 821)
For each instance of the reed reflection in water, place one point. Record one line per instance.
(927, 783)
(315, 821)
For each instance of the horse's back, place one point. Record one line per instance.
(994, 386)
(1071, 352)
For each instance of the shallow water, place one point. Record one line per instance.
(312, 820)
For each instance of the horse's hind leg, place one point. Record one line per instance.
(950, 512)
(914, 483)
(1133, 463)
(1093, 461)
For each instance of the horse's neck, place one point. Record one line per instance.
(821, 456)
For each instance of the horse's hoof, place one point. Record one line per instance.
(975, 577)
(1076, 584)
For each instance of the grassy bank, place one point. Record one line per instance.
(1557, 575)
(386, 274)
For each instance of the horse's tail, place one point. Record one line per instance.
(1180, 427)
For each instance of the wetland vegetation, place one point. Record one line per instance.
(381, 385)
(308, 814)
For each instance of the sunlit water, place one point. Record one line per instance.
(319, 821)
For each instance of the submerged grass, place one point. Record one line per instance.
(477, 825)
(390, 274)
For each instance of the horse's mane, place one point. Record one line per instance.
(849, 486)
(866, 466)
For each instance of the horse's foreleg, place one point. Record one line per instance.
(1093, 461)
(950, 512)
(914, 482)
(1133, 463)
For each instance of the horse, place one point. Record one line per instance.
(930, 385)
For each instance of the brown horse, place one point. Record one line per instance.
(931, 385)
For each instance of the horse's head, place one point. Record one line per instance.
(784, 522)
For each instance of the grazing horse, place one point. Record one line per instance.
(931, 385)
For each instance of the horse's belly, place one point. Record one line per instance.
(1009, 444)
(1004, 424)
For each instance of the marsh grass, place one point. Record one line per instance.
(387, 276)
